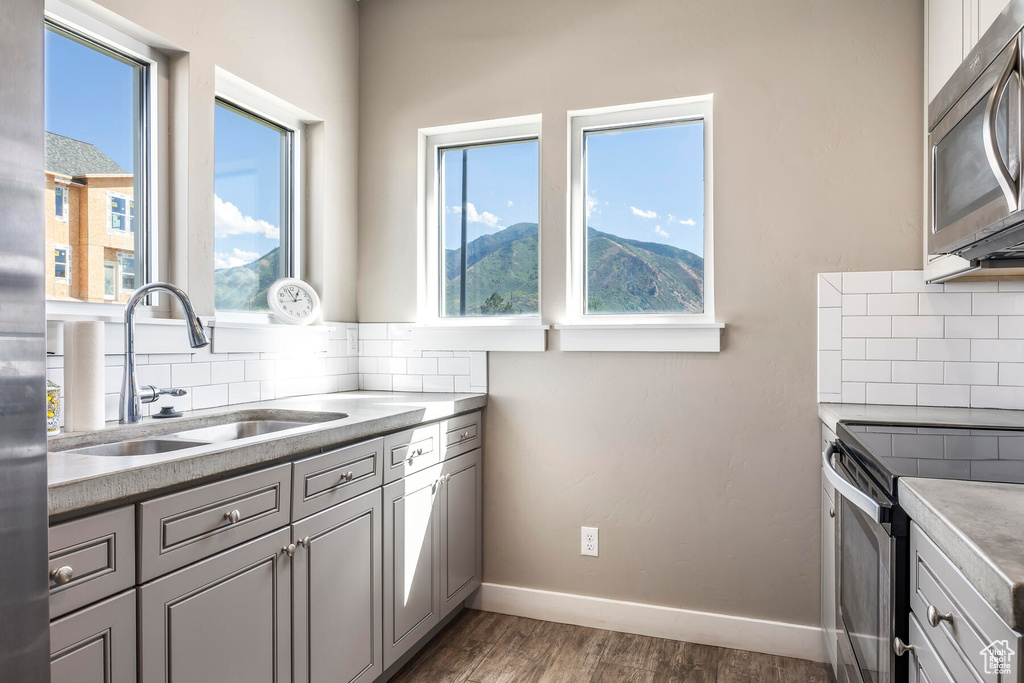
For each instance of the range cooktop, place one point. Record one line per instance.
(890, 451)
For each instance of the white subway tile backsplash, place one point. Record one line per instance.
(373, 331)
(157, 375)
(421, 366)
(190, 374)
(376, 382)
(227, 372)
(918, 326)
(892, 304)
(902, 341)
(376, 347)
(438, 383)
(243, 392)
(972, 327)
(889, 349)
(460, 366)
(209, 396)
(407, 383)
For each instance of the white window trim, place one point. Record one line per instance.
(66, 280)
(452, 333)
(120, 288)
(65, 201)
(118, 34)
(635, 332)
(244, 95)
(127, 216)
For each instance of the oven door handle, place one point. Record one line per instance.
(866, 503)
(1004, 176)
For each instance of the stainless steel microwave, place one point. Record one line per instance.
(975, 207)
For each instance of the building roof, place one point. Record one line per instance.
(71, 157)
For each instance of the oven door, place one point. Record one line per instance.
(866, 575)
(974, 172)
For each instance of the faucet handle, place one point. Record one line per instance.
(150, 393)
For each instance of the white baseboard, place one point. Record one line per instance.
(706, 628)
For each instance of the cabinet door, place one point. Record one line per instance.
(411, 602)
(460, 515)
(95, 644)
(946, 40)
(337, 609)
(225, 619)
(984, 13)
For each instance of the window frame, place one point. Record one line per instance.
(109, 33)
(249, 100)
(623, 117)
(119, 288)
(432, 142)
(66, 280)
(129, 221)
(65, 204)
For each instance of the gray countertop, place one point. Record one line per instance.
(980, 527)
(81, 482)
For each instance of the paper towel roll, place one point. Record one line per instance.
(84, 405)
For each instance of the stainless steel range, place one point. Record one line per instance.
(872, 552)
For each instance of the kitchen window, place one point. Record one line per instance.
(481, 234)
(62, 263)
(640, 270)
(126, 264)
(99, 117)
(255, 208)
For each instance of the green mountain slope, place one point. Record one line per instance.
(245, 287)
(501, 273)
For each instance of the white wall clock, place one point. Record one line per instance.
(293, 301)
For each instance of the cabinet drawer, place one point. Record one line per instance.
(97, 553)
(333, 477)
(96, 643)
(925, 665)
(411, 451)
(462, 434)
(969, 624)
(184, 527)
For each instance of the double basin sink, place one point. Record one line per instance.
(231, 427)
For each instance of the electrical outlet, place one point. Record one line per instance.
(588, 540)
(352, 338)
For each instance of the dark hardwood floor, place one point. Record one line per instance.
(484, 647)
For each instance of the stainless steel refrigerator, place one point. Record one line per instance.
(24, 626)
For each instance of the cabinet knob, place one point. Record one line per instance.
(304, 542)
(935, 617)
(901, 648)
(289, 549)
(347, 476)
(832, 513)
(61, 575)
(233, 516)
(464, 435)
(447, 478)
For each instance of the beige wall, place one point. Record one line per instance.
(302, 51)
(700, 470)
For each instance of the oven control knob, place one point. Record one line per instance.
(901, 648)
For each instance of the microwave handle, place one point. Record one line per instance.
(1003, 176)
(866, 503)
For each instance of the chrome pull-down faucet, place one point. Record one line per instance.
(131, 400)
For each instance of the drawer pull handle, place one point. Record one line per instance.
(445, 478)
(413, 454)
(464, 435)
(233, 516)
(347, 476)
(901, 648)
(832, 513)
(304, 542)
(935, 618)
(62, 575)
(289, 549)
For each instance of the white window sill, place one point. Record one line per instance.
(491, 337)
(263, 335)
(668, 338)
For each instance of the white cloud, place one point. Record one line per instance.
(510, 203)
(236, 257)
(642, 213)
(591, 205)
(229, 220)
(688, 221)
(485, 218)
(660, 231)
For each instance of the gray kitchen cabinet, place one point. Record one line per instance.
(337, 612)
(411, 600)
(459, 499)
(95, 644)
(225, 619)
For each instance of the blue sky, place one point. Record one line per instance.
(89, 97)
(644, 183)
(501, 189)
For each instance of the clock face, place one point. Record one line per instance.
(294, 301)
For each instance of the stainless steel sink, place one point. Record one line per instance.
(152, 446)
(236, 430)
